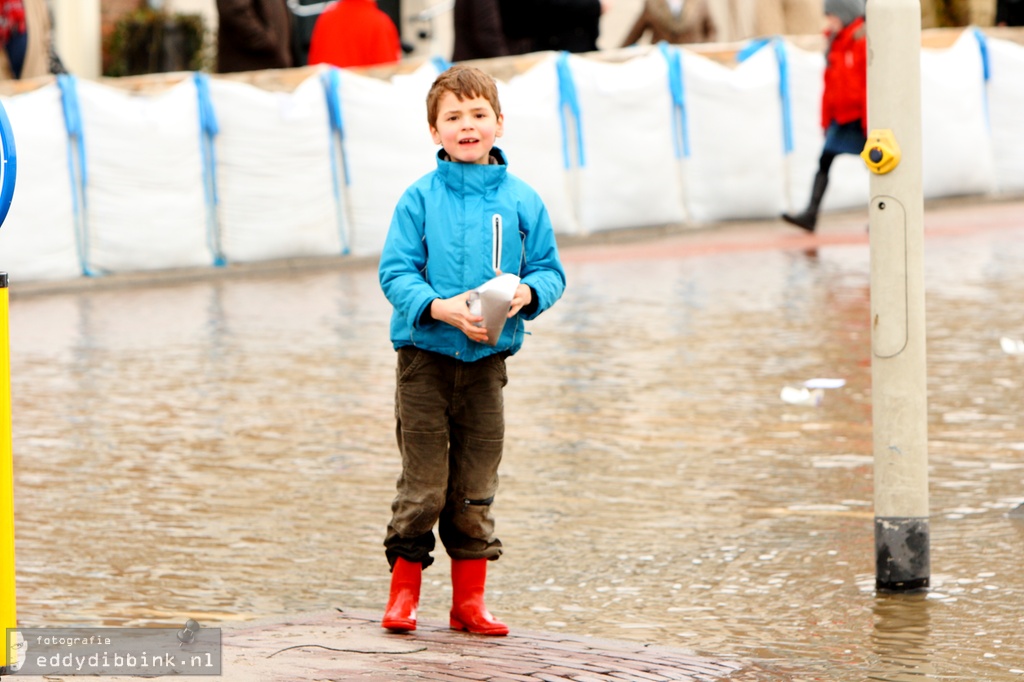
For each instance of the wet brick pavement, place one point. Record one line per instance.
(349, 646)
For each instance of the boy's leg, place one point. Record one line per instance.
(477, 439)
(421, 406)
(467, 527)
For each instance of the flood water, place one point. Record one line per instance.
(224, 450)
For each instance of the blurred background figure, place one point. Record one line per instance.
(1010, 13)
(788, 17)
(304, 15)
(518, 24)
(674, 21)
(945, 13)
(26, 31)
(844, 112)
(14, 34)
(354, 33)
(734, 20)
(570, 25)
(253, 35)
(478, 30)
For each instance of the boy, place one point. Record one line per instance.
(844, 108)
(454, 229)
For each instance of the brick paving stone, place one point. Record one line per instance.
(673, 674)
(438, 677)
(513, 668)
(596, 667)
(351, 647)
(636, 675)
(546, 677)
(469, 673)
(566, 673)
(632, 676)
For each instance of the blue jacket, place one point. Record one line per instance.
(442, 242)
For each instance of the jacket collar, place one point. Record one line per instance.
(472, 178)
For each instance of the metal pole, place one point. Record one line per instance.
(898, 372)
(8, 615)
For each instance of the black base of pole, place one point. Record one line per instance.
(902, 554)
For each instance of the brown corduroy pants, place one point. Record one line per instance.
(450, 426)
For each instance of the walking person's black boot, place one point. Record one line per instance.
(809, 218)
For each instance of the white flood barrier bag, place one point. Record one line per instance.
(276, 192)
(1006, 113)
(533, 140)
(956, 146)
(806, 83)
(387, 146)
(735, 127)
(629, 175)
(37, 240)
(144, 179)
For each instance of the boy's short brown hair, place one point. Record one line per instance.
(465, 82)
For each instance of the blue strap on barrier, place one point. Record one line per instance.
(986, 58)
(77, 169)
(986, 67)
(680, 124)
(751, 48)
(785, 97)
(440, 63)
(331, 80)
(8, 165)
(209, 128)
(567, 99)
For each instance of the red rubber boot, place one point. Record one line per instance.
(468, 610)
(406, 578)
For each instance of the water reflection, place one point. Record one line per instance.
(901, 638)
(224, 450)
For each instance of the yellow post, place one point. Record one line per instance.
(8, 615)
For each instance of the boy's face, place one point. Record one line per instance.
(833, 24)
(466, 129)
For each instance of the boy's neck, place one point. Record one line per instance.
(492, 158)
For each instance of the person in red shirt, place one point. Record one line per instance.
(844, 102)
(354, 33)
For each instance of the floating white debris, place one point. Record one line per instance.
(802, 396)
(824, 383)
(1012, 346)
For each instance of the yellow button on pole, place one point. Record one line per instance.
(881, 152)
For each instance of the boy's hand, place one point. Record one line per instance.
(455, 311)
(522, 297)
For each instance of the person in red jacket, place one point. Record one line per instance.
(844, 112)
(354, 33)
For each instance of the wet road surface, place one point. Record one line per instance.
(223, 449)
